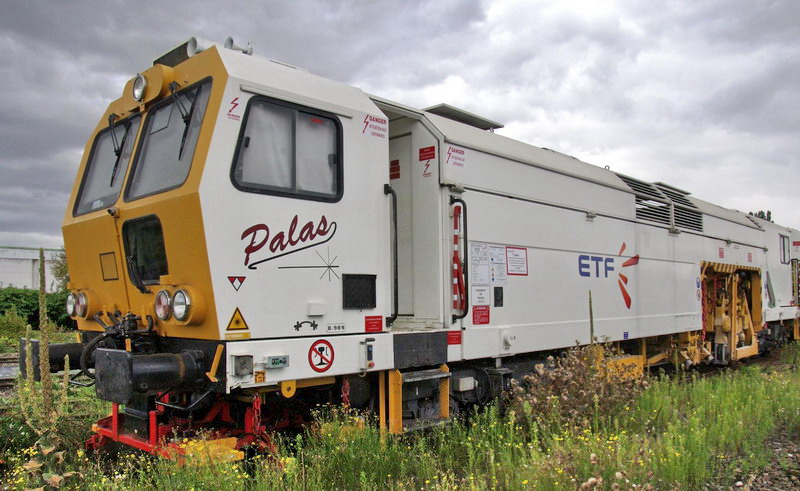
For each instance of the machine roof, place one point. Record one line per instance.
(462, 116)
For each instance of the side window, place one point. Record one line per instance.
(288, 151)
(786, 254)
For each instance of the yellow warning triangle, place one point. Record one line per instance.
(237, 322)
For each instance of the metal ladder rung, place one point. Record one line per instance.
(419, 376)
(423, 424)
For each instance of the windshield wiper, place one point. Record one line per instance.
(133, 272)
(117, 147)
(119, 153)
(187, 119)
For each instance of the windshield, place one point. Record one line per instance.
(168, 142)
(107, 165)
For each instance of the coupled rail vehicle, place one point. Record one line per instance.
(246, 239)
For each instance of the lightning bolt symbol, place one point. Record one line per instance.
(449, 149)
(234, 105)
(366, 122)
(427, 164)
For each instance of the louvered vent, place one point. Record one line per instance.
(651, 204)
(686, 213)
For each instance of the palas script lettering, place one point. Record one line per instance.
(259, 236)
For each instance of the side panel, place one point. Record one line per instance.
(553, 259)
(309, 358)
(297, 289)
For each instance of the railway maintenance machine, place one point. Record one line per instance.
(246, 239)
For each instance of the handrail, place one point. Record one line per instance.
(387, 189)
(453, 200)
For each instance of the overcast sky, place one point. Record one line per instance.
(703, 95)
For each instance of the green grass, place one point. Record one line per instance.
(10, 343)
(681, 432)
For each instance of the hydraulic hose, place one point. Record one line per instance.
(87, 351)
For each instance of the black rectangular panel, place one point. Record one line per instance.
(419, 349)
(358, 291)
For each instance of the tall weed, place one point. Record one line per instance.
(577, 390)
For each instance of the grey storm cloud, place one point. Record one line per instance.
(700, 94)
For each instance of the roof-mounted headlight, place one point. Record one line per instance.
(181, 305)
(139, 87)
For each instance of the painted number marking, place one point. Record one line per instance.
(320, 356)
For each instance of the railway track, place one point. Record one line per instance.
(8, 359)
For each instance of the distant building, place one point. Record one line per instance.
(19, 267)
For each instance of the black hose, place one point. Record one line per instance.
(87, 350)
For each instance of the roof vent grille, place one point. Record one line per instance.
(686, 213)
(657, 203)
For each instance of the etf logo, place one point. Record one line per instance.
(595, 266)
(585, 265)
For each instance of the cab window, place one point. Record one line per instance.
(168, 142)
(288, 150)
(145, 253)
(107, 165)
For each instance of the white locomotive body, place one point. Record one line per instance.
(317, 236)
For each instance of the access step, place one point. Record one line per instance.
(424, 424)
(421, 375)
(393, 398)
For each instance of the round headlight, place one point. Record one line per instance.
(181, 305)
(81, 304)
(139, 87)
(71, 301)
(162, 305)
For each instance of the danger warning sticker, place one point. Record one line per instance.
(320, 356)
(232, 112)
(394, 169)
(373, 323)
(237, 322)
(427, 153)
(453, 337)
(375, 126)
(480, 314)
(456, 157)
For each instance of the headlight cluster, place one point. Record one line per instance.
(77, 304)
(178, 305)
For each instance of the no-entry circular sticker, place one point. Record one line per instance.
(320, 356)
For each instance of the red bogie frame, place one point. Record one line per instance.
(254, 433)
